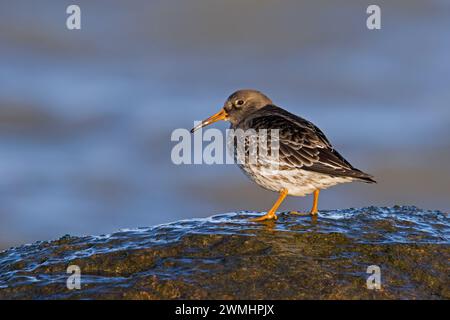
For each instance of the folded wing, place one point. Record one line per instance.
(303, 145)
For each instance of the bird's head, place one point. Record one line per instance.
(240, 104)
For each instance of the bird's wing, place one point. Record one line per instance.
(303, 145)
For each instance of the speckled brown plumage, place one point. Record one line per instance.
(307, 160)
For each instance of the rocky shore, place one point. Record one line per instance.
(227, 257)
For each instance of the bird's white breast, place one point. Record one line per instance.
(298, 182)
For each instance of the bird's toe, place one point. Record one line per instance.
(268, 216)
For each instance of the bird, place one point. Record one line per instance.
(306, 161)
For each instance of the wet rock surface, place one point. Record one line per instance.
(228, 257)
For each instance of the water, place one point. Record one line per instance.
(86, 116)
(226, 256)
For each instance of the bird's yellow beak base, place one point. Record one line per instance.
(221, 115)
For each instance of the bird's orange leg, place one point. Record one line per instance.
(272, 212)
(314, 210)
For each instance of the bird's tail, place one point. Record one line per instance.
(362, 176)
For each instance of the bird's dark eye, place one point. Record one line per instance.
(239, 102)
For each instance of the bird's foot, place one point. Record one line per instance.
(267, 216)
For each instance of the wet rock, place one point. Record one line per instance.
(228, 257)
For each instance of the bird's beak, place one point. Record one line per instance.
(221, 115)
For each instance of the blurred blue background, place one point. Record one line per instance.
(86, 116)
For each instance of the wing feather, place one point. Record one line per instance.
(302, 144)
